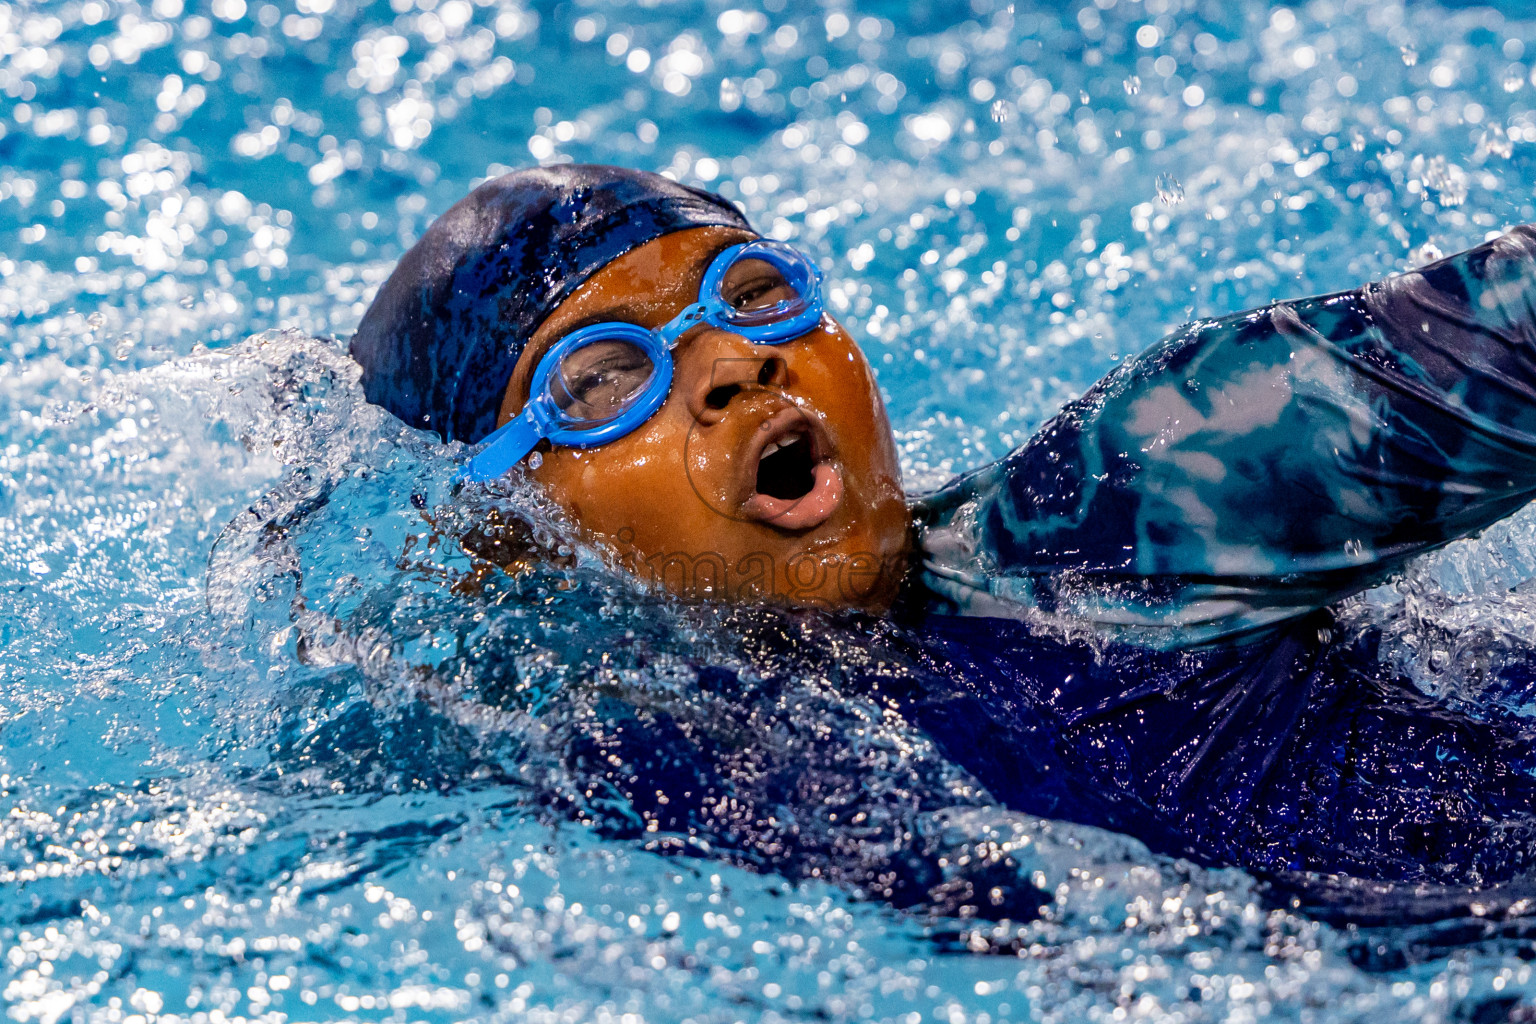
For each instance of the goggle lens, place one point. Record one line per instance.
(595, 383)
(765, 286)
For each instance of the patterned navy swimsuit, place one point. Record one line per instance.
(1202, 506)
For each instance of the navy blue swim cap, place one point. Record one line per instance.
(443, 335)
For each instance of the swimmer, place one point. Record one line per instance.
(673, 383)
(673, 376)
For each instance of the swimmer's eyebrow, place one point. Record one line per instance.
(620, 313)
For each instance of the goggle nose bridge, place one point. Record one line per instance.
(673, 330)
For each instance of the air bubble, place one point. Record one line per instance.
(535, 460)
(1169, 189)
(1410, 55)
(1132, 85)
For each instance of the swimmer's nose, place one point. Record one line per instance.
(731, 374)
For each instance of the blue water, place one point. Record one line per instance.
(269, 749)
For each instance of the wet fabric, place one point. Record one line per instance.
(1201, 506)
(1251, 469)
(1299, 752)
(440, 341)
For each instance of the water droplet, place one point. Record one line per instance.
(535, 460)
(1425, 254)
(1495, 141)
(1410, 55)
(1132, 85)
(1438, 175)
(1169, 189)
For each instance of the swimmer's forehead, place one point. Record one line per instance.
(647, 285)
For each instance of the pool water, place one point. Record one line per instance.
(272, 748)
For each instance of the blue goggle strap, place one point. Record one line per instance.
(504, 448)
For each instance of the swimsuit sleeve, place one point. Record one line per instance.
(1251, 469)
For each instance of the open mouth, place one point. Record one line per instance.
(796, 486)
(787, 468)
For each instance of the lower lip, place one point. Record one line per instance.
(805, 512)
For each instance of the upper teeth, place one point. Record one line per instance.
(783, 442)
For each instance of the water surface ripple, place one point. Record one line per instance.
(275, 746)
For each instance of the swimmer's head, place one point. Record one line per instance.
(763, 469)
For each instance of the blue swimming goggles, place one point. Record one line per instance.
(602, 381)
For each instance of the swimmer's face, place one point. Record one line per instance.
(769, 473)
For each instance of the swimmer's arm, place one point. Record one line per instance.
(1248, 470)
